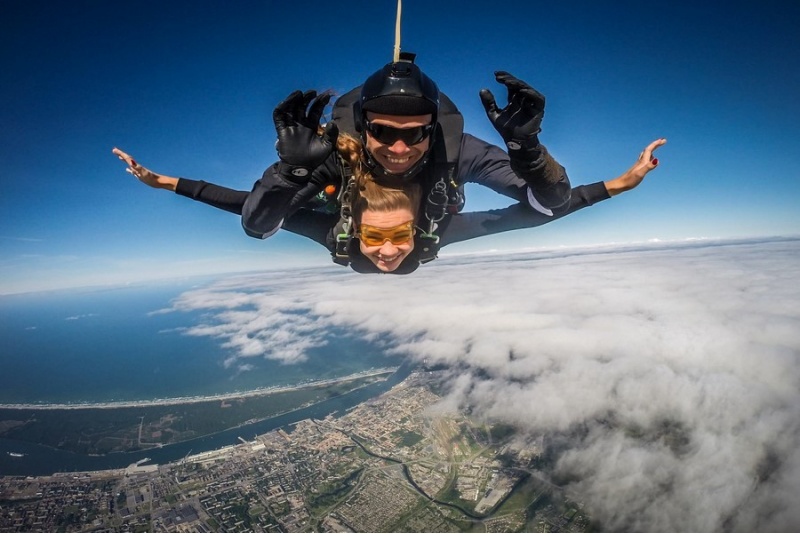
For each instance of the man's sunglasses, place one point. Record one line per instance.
(389, 135)
(372, 236)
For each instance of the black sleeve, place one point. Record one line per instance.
(274, 199)
(488, 165)
(312, 224)
(214, 195)
(464, 226)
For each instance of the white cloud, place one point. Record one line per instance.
(79, 317)
(667, 379)
(266, 323)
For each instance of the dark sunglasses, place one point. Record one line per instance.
(389, 135)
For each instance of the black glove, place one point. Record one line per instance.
(519, 123)
(300, 147)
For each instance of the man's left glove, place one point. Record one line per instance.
(519, 123)
(300, 148)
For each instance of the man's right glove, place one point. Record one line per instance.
(519, 123)
(300, 148)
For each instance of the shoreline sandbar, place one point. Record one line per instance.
(259, 392)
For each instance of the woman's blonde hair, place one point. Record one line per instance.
(368, 194)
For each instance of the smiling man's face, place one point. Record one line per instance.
(392, 153)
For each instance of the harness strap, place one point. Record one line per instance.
(445, 195)
(343, 231)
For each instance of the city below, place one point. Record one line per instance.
(390, 463)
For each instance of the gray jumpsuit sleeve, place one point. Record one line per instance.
(488, 165)
(469, 225)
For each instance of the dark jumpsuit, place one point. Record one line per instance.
(277, 202)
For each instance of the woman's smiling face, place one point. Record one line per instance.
(387, 256)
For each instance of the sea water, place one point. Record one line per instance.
(106, 345)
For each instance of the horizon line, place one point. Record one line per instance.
(587, 247)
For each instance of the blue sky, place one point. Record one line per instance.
(188, 90)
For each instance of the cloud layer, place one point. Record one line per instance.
(666, 380)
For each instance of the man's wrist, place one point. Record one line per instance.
(521, 147)
(526, 160)
(297, 174)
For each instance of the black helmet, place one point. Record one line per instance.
(399, 88)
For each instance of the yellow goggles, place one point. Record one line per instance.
(372, 236)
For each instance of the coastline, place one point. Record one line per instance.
(200, 398)
(44, 460)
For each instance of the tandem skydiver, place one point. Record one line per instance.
(396, 129)
(408, 132)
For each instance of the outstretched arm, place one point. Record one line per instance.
(214, 195)
(469, 225)
(307, 223)
(465, 226)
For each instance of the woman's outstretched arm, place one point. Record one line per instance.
(214, 195)
(470, 225)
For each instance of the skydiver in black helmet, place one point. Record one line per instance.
(409, 131)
